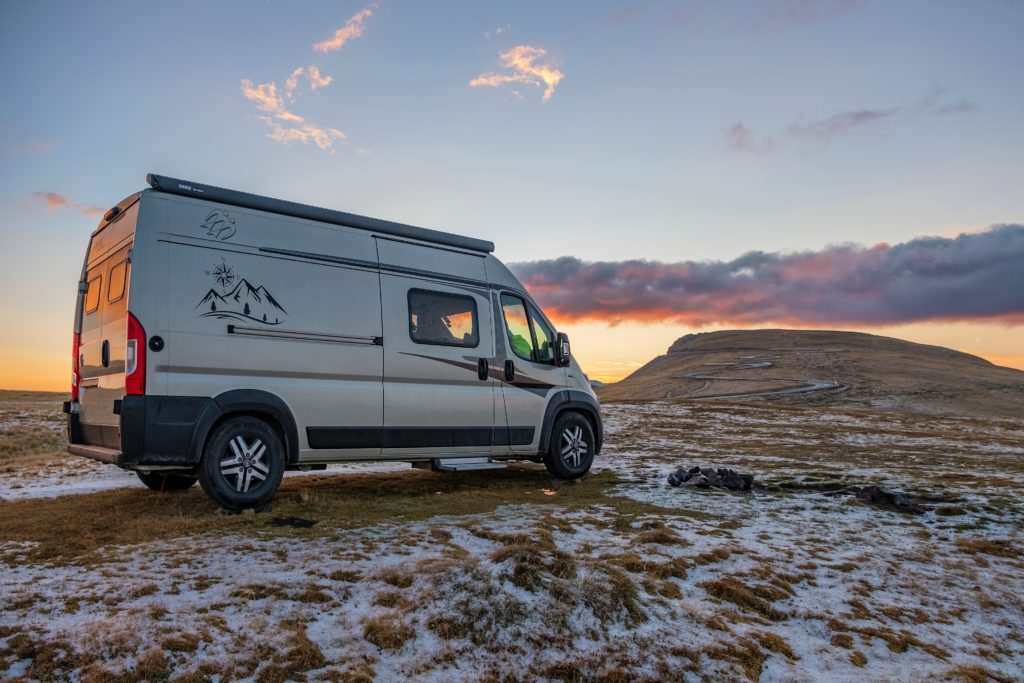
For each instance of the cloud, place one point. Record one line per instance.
(838, 124)
(739, 137)
(266, 98)
(974, 276)
(498, 31)
(829, 128)
(285, 126)
(352, 29)
(305, 133)
(627, 14)
(52, 201)
(313, 77)
(37, 148)
(529, 65)
(91, 210)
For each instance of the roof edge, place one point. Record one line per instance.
(211, 193)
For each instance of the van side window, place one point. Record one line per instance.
(545, 336)
(518, 326)
(442, 318)
(92, 295)
(115, 288)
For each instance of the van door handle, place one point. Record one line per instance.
(105, 353)
(482, 368)
(510, 371)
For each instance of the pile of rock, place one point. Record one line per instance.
(722, 478)
(888, 498)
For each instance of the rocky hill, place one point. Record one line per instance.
(824, 367)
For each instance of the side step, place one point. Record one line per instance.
(107, 455)
(464, 464)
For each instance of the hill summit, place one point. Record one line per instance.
(825, 367)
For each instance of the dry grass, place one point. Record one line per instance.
(388, 632)
(76, 527)
(756, 599)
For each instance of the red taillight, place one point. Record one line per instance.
(76, 343)
(135, 359)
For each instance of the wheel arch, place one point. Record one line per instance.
(571, 400)
(254, 403)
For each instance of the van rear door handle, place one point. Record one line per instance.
(482, 368)
(510, 371)
(105, 353)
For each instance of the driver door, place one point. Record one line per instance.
(534, 375)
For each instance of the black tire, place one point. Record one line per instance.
(571, 447)
(243, 463)
(166, 482)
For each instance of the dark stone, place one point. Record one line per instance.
(888, 498)
(723, 478)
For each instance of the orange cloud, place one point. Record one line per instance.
(353, 28)
(529, 65)
(322, 137)
(312, 73)
(266, 99)
(51, 200)
(295, 128)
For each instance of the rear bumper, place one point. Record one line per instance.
(154, 430)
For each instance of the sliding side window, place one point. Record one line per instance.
(443, 319)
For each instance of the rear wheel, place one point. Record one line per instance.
(165, 482)
(571, 449)
(243, 463)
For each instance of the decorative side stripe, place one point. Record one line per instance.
(416, 437)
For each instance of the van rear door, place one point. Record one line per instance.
(103, 316)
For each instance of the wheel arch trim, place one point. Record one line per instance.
(248, 402)
(571, 400)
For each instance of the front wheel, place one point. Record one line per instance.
(571, 449)
(165, 482)
(243, 463)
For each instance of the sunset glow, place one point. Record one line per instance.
(648, 170)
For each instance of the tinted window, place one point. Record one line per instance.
(442, 318)
(545, 336)
(92, 295)
(517, 326)
(115, 288)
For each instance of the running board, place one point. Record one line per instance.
(463, 464)
(107, 455)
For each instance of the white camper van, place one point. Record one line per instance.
(227, 337)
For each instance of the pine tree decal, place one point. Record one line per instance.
(213, 306)
(246, 310)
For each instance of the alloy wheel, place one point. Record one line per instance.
(574, 447)
(244, 466)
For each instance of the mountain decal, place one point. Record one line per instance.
(245, 303)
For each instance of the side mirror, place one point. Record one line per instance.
(562, 351)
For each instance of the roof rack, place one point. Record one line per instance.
(254, 201)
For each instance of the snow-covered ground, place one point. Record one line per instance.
(786, 583)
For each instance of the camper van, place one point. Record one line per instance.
(227, 337)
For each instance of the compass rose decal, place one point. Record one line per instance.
(223, 275)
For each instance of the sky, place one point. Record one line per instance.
(679, 157)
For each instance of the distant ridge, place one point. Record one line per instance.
(801, 367)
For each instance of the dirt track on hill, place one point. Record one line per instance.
(845, 369)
